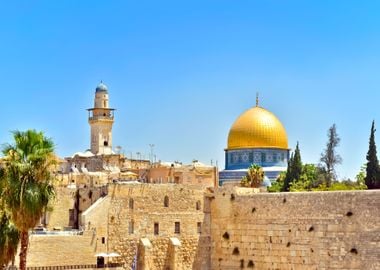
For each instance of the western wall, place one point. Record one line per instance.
(315, 230)
(168, 226)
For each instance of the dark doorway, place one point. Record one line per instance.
(100, 262)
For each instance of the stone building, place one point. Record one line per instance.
(195, 173)
(101, 119)
(100, 165)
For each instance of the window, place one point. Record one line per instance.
(198, 205)
(71, 217)
(103, 240)
(199, 227)
(156, 229)
(105, 143)
(166, 201)
(177, 228)
(131, 227)
(263, 157)
(176, 179)
(131, 204)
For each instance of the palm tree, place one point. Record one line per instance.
(9, 235)
(27, 182)
(9, 239)
(255, 175)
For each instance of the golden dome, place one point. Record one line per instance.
(257, 128)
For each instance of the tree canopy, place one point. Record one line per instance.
(26, 182)
(294, 169)
(329, 157)
(372, 178)
(254, 177)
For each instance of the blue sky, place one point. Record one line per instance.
(180, 72)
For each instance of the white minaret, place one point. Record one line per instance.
(101, 119)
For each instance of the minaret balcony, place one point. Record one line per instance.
(100, 114)
(100, 117)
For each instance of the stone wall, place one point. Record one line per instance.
(59, 214)
(143, 205)
(319, 230)
(59, 250)
(77, 200)
(239, 229)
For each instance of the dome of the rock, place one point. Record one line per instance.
(257, 128)
(257, 137)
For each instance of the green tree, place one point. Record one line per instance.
(254, 177)
(307, 180)
(278, 185)
(294, 169)
(361, 176)
(9, 235)
(9, 240)
(372, 179)
(329, 157)
(288, 176)
(27, 187)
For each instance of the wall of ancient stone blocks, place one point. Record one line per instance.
(66, 198)
(319, 230)
(58, 250)
(148, 208)
(58, 216)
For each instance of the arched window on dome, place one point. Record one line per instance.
(166, 201)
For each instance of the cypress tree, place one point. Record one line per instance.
(373, 170)
(294, 169)
(297, 164)
(288, 179)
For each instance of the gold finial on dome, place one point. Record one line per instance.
(257, 99)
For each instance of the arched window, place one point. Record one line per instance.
(166, 201)
(198, 205)
(131, 203)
